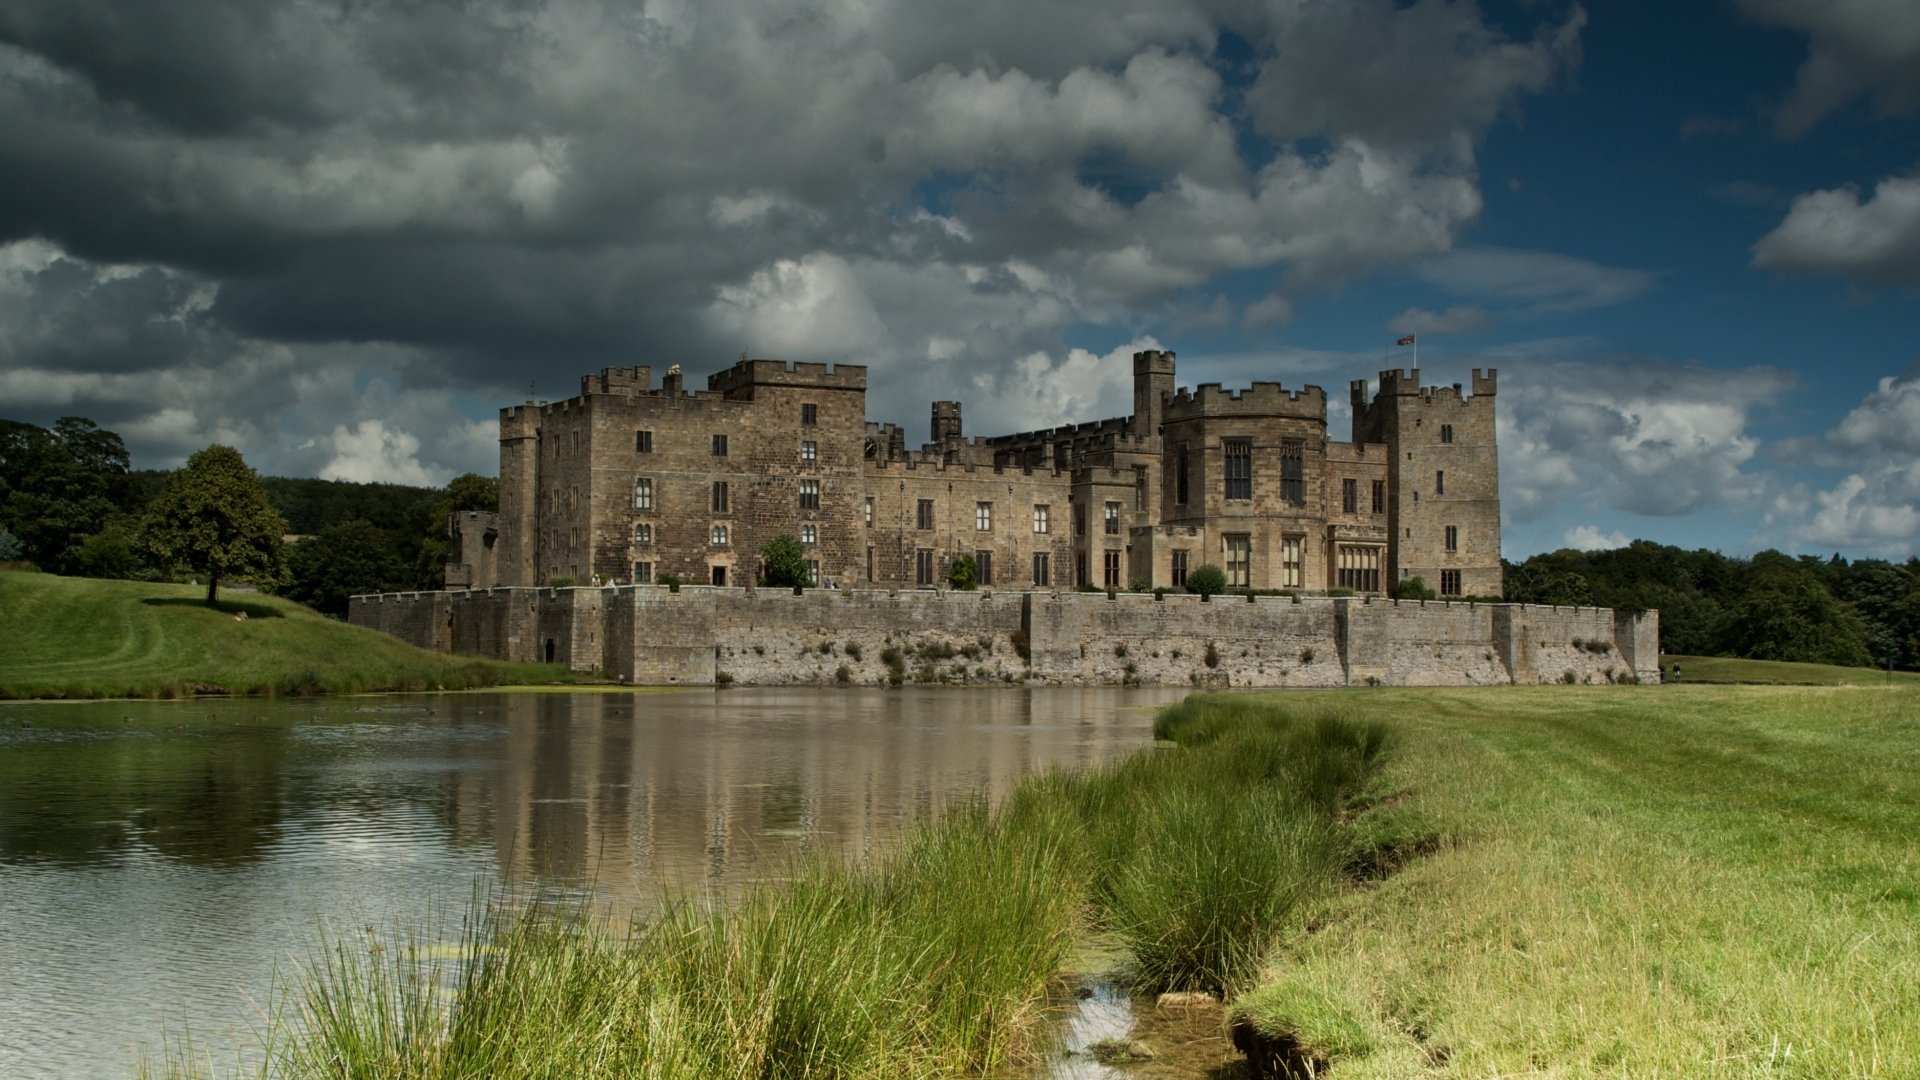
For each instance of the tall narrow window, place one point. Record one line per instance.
(869, 563)
(1139, 487)
(1180, 475)
(1110, 569)
(643, 493)
(1446, 432)
(719, 536)
(1379, 496)
(1239, 560)
(643, 442)
(923, 566)
(643, 533)
(1449, 583)
(983, 567)
(923, 516)
(983, 517)
(1079, 519)
(1440, 482)
(809, 494)
(643, 573)
(1041, 513)
(1293, 483)
(866, 511)
(1113, 519)
(1453, 538)
(720, 496)
(809, 415)
(1292, 566)
(1041, 570)
(1239, 470)
(809, 533)
(1350, 496)
(719, 445)
(1179, 569)
(809, 451)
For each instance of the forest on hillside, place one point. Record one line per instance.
(70, 504)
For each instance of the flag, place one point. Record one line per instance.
(1408, 340)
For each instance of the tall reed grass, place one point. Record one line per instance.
(933, 961)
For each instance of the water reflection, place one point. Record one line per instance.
(158, 860)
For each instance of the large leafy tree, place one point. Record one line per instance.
(355, 556)
(784, 562)
(60, 486)
(214, 519)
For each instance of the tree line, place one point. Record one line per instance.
(70, 504)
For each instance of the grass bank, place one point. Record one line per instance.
(1730, 669)
(935, 960)
(90, 638)
(1647, 881)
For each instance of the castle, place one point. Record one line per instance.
(629, 483)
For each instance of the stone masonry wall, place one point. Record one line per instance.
(703, 635)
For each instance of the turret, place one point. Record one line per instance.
(1152, 384)
(946, 422)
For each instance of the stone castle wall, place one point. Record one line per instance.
(701, 635)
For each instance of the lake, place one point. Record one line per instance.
(160, 862)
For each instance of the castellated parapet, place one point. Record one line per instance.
(633, 483)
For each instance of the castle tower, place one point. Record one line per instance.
(946, 422)
(519, 493)
(1152, 385)
(1443, 479)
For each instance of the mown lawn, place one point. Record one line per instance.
(83, 637)
(1629, 881)
(1728, 669)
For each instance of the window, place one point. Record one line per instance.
(1110, 569)
(923, 515)
(813, 571)
(1239, 560)
(983, 517)
(643, 573)
(643, 493)
(719, 496)
(809, 494)
(1379, 496)
(643, 533)
(1239, 454)
(983, 567)
(1139, 487)
(1113, 519)
(1350, 496)
(809, 533)
(1179, 569)
(719, 445)
(1041, 515)
(1439, 481)
(866, 512)
(1292, 565)
(923, 566)
(643, 442)
(1079, 519)
(1449, 583)
(809, 415)
(869, 563)
(1446, 433)
(1359, 568)
(1040, 569)
(809, 451)
(719, 536)
(1453, 538)
(1180, 475)
(1080, 569)
(1293, 486)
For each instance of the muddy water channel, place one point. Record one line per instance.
(161, 861)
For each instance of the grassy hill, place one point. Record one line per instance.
(87, 638)
(1728, 669)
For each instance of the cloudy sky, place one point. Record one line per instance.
(339, 234)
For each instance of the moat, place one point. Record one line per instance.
(160, 861)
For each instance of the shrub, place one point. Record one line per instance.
(1140, 584)
(852, 649)
(1212, 659)
(843, 674)
(1120, 650)
(1306, 656)
(963, 574)
(1021, 645)
(783, 563)
(723, 678)
(1206, 580)
(560, 581)
(1414, 589)
(826, 648)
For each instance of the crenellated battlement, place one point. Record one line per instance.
(1260, 399)
(749, 373)
(618, 380)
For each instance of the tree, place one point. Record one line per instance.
(1414, 588)
(351, 557)
(962, 574)
(10, 548)
(784, 563)
(214, 519)
(471, 491)
(1206, 579)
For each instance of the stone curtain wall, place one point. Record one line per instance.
(701, 635)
